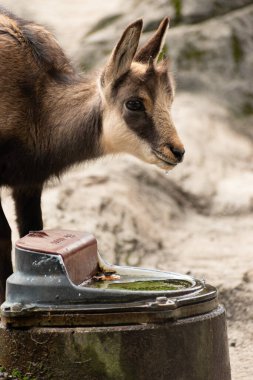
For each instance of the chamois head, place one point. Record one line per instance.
(137, 93)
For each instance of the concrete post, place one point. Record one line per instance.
(193, 348)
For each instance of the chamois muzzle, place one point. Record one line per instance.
(177, 152)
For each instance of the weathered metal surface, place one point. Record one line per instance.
(46, 280)
(77, 249)
(188, 349)
(154, 313)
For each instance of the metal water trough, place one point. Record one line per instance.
(69, 314)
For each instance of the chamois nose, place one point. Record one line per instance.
(178, 153)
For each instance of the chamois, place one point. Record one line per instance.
(52, 118)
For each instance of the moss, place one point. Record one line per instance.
(163, 53)
(39, 368)
(101, 354)
(151, 26)
(17, 375)
(247, 109)
(103, 23)
(237, 51)
(177, 4)
(95, 363)
(191, 53)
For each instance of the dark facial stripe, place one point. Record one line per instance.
(142, 125)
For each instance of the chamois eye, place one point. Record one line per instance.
(135, 105)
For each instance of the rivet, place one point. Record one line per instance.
(161, 299)
(170, 302)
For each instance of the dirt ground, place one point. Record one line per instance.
(197, 220)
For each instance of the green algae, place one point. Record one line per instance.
(104, 22)
(192, 53)
(177, 4)
(153, 285)
(237, 50)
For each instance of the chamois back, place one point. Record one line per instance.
(36, 41)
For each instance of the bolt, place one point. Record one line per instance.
(170, 302)
(164, 301)
(161, 300)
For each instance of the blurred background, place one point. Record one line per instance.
(198, 219)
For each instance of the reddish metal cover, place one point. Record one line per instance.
(78, 250)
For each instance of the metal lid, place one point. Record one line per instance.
(77, 249)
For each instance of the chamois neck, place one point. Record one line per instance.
(73, 115)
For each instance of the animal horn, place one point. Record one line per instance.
(154, 44)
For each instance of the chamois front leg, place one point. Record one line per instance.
(5, 253)
(28, 209)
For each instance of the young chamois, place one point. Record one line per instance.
(51, 118)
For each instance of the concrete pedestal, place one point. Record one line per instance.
(189, 349)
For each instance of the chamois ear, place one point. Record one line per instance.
(123, 53)
(154, 44)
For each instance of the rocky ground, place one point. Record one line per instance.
(198, 219)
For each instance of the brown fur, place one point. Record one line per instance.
(51, 118)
